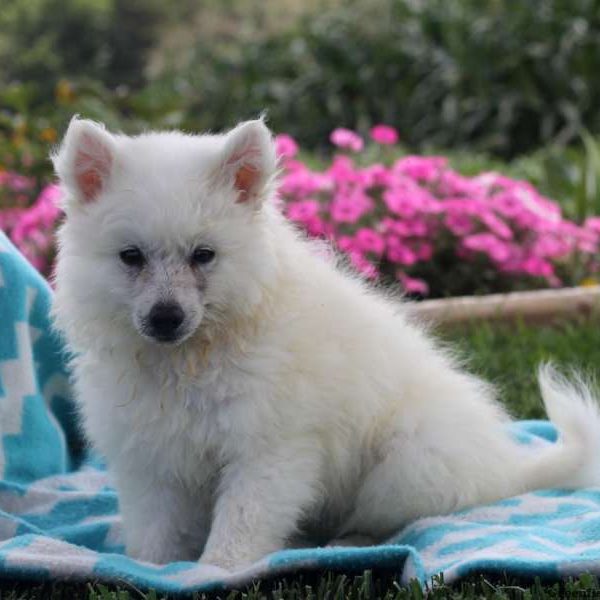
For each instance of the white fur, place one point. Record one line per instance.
(299, 402)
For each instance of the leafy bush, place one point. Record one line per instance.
(29, 128)
(495, 77)
(43, 41)
(498, 77)
(503, 77)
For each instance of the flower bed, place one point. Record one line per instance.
(418, 222)
(29, 219)
(410, 221)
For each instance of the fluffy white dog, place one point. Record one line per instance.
(243, 388)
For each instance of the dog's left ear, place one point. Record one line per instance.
(248, 160)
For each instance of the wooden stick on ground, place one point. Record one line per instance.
(540, 305)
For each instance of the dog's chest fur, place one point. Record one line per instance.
(178, 422)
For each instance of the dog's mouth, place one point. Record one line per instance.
(165, 339)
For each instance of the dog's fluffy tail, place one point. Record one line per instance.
(574, 460)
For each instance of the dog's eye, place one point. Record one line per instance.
(202, 256)
(132, 257)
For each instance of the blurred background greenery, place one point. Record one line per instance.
(493, 84)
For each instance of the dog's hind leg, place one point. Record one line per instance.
(432, 472)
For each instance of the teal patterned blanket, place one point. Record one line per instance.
(59, 516)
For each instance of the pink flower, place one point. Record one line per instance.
(384, 134)
(31, 228)
(587, 246)
(9, 217)
(392, 226)
(424, 251)
(342, 171)
(400, 253)
(496, 226)
(537, 267)
(374, 175)
(593, 224)
(488, 244)
(303, 211)
(316, 227)
(417, 227)
(421, 168)
(412, 285)
(346, 243)
(15, 182)
(363, 265)
(406, 199)
(459, 224)
(301, 181)
(346, 139)
(368, 240)
(453, 184)
(550, 247)
(418, 210)
(349, 208)
(285, 145)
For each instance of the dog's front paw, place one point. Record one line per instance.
(356, 541)
(159, 553)
(225, 560)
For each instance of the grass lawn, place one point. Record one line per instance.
(504, 354)
(508, 355)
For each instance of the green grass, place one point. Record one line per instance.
(508, 356)
(504, 354)
(332, 586)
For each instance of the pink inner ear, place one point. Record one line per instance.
(90, 184)
(246, 179)
(93, 162)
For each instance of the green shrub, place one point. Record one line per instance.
(28, 130)
(29, 127)
(504, 77)
(500, 77)
(42, 41)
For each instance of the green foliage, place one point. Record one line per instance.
(42, 41)
(504, 77)
(508, 355)
(499, 77)
(587, 176)
(29, 127)
(483, 81)
(332, 586)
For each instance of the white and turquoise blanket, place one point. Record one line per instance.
(59, 516)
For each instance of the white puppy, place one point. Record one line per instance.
(244, 389)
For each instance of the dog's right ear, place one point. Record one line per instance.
(85, 160)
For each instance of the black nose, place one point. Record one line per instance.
(164, 319)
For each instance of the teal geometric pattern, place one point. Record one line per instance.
(59, 516)
(36, 418)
